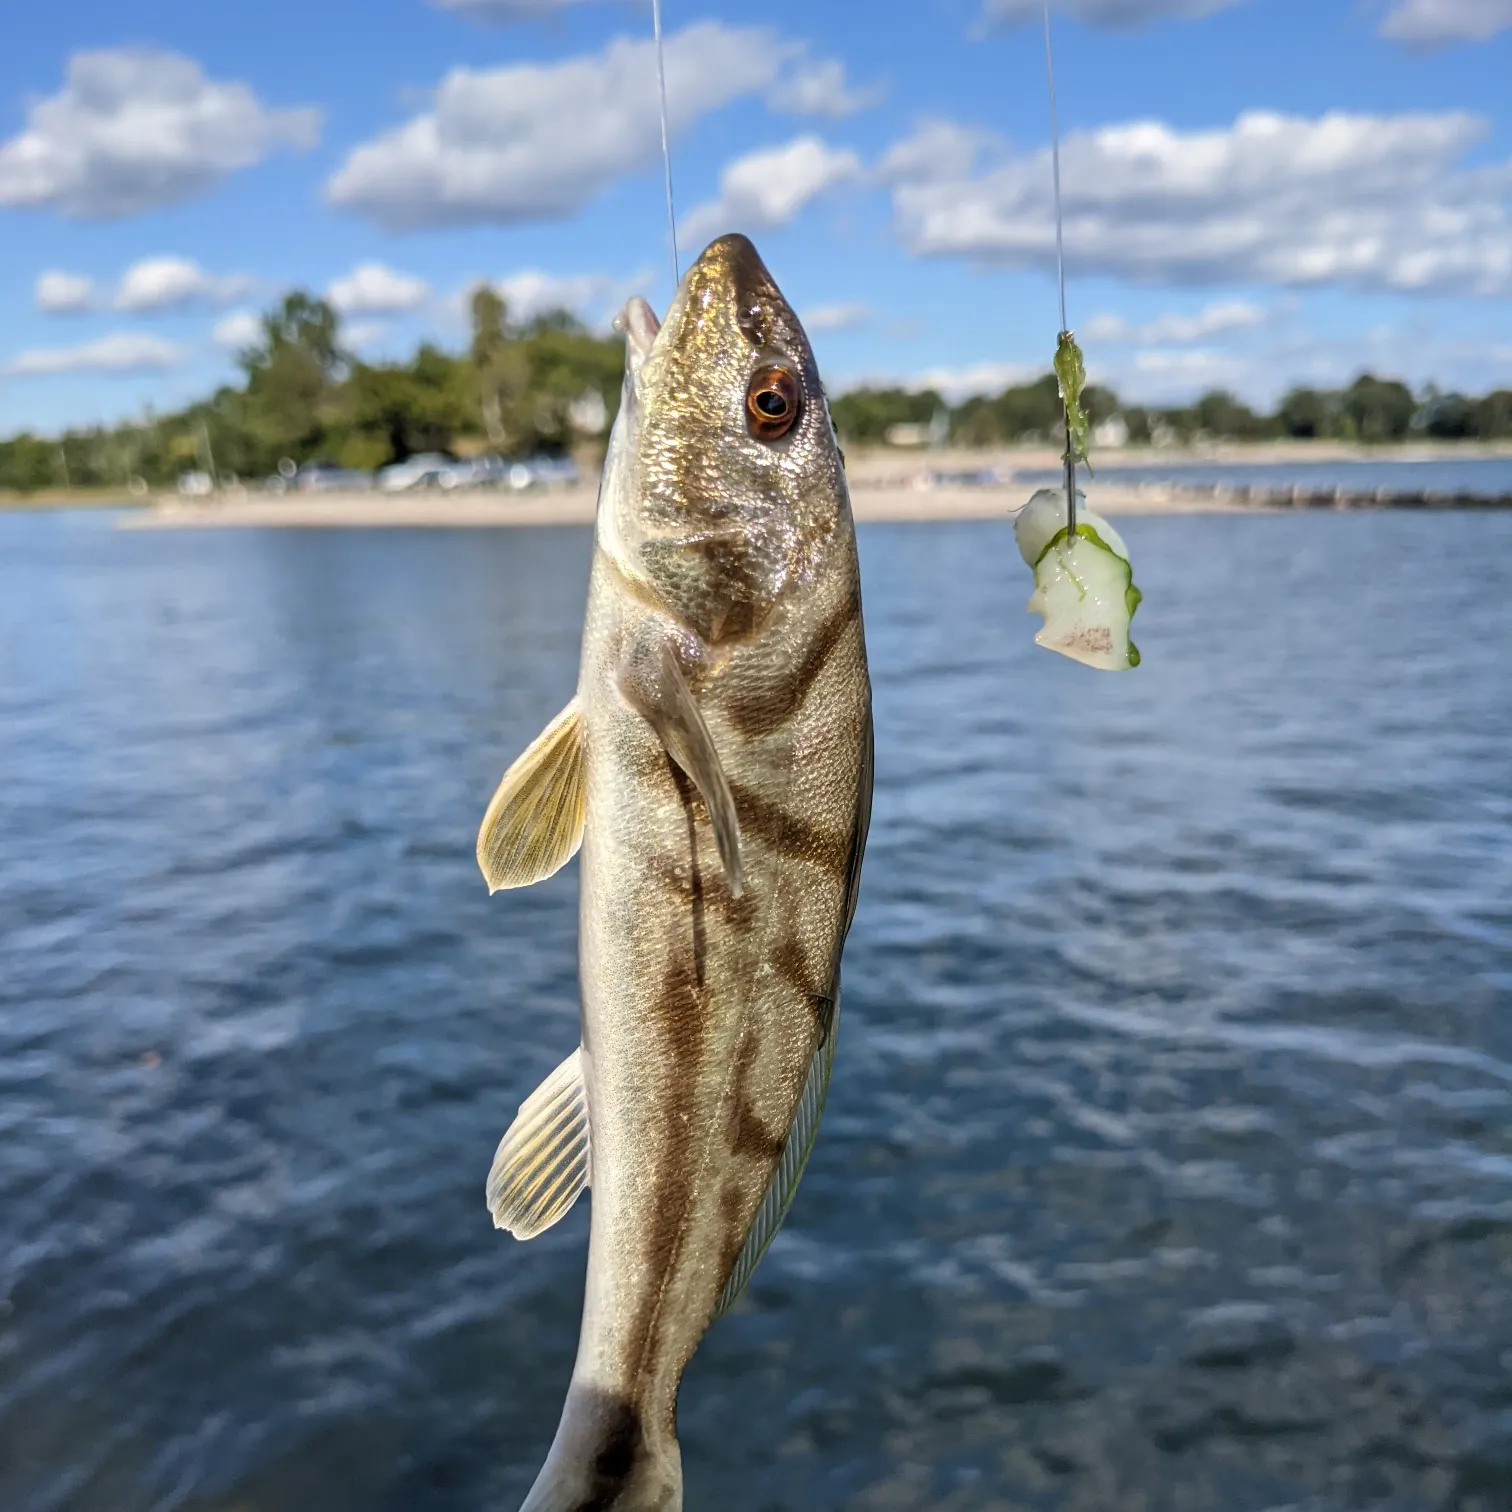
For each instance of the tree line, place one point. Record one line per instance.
(518, 389)
(549, 383)
(1370, 410)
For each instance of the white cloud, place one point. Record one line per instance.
(1111, 15)
(1165, 375)
(1213, 320)
(1373, 202)
(504, 12)
(133, 131)
(237, 331)
(531, 292)
(936, 150)
(372, 288)
(60, 293)
(1191, 365)
(161, 283)
(538, 141)
(954, 384)
(957, 383)
(123, 352)
(768, 188)
(837, 317)
(1418, 351)
(154, 283)
(1432, 23)
(364, 333)
(819, 89)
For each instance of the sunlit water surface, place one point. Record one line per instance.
(1169, 1159)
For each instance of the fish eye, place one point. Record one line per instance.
(773, 403)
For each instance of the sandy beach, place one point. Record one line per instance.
(885, 485)
(576, 507)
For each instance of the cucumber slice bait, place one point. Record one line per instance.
(1083, 588)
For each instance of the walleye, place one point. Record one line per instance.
(715, 766)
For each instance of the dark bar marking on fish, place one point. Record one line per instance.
(729, 597)
(790, 834)
(666, 1233)
(768, 707)
(624, 1439)
(792, 967)
(824, 1010)
(734, 1204)
(753, 1138)
(674, 877)
(748, 1134)
(687, 793)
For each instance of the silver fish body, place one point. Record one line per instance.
(722, 757)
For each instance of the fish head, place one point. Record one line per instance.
(737, 477)
(733, 409)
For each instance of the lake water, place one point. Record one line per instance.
(1485, 477)
(1168, 1164)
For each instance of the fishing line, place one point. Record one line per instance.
(1060, 270)
(661, 78)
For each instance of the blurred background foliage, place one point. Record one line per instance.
(551, 385)
(305, 397)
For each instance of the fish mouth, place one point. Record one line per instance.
(729, 279)
(726, 314)
(733, 260)
(638, 324)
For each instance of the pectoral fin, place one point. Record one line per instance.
(652, 681)
(534, 825)
(541, 1166)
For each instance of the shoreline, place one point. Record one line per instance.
(886, 484)
(870, 504)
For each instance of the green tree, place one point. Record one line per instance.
(866, 415)
(563, 360)
(1493, 416)
(292, 375)
(1378, 409)
(1449, 417)
(1219, 413)
(27, 463)
(1024, 412)
(394, 410)
(1304, 414)
(501, 367)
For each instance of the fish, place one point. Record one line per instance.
(714, 767)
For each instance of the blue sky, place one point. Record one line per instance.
(1258, 191)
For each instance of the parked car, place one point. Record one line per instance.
(318, 477)
(475, 472)
(327, 477)
(420, 471)
(542, 471)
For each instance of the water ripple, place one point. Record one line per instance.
(1169, 1159)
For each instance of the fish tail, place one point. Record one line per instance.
(604, 1460)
